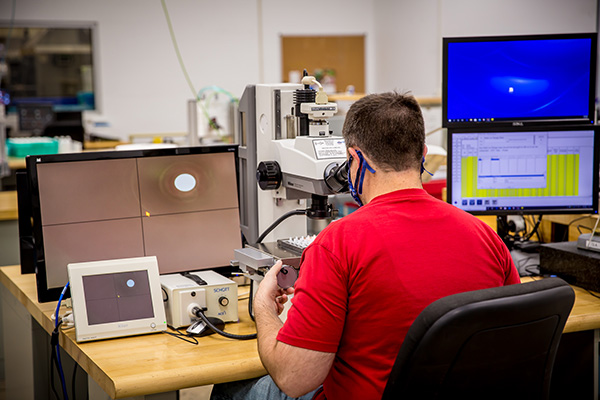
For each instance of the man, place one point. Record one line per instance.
(365, 278)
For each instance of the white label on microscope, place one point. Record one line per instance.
(329, 148)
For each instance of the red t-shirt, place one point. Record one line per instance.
(366, 277)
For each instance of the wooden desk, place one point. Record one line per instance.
(586, 310)
(16, 162)
(156, 363)
(102, 145)
(570, 221)
(8, 205)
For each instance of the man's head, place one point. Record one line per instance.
(389, 129)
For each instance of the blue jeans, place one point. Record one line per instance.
(252, 389)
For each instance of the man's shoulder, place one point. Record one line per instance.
(463, 221)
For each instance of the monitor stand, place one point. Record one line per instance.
(504, 231)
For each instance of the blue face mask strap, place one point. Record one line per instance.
(362, 166)
(423, 167)
(351, 186)
(360, 176)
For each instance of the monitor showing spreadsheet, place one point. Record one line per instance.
(524, 171)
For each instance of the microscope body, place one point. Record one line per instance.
(286, 154)
(289, 160)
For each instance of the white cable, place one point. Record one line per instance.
(66, 319)
(310, 80)
(593, 231)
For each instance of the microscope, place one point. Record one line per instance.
(289, 163)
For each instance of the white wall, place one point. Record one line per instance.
(141, 86)
(409, 33)
(407, 51)
(493, 17)
(318, 18)
(236, 42)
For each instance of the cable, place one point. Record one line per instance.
(532, 270)
(278, 221)
(54, 342)
(516, 239)
(535, 228)
(592, 293)
(197, 95)
(578, 227)
(215, 91)
(174, 40)
(250, 299)
(528, 270)
(594, 230)
(524, 261)
(183, 336)
(583, 226)
(565, 235)
(200, 314)
(73, 381)
(539, 234)
(52, 364)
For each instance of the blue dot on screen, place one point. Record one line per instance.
(130, 283)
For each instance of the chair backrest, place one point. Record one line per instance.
(491, 343)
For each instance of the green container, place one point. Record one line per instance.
(22, 147)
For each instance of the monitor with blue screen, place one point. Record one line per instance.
(519, 80)
(537, 170)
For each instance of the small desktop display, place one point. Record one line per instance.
(113, 298)
(180, 205)
(524, 171)
(519, 80)
(117, 297)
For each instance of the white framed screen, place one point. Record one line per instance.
(114, 298)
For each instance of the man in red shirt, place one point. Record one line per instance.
(366, 277)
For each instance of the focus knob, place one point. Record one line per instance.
(224, 301)
(268, 175)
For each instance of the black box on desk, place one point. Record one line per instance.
(577, 267)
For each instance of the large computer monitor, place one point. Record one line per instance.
(519, 80)
(180, 205)
(540, 170)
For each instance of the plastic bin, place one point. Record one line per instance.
(22, 147)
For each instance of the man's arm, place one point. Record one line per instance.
(295, 370)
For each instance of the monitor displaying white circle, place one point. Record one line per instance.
(185, 182)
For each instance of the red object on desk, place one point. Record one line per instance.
(435, 187)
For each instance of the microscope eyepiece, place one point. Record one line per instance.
(336, 177)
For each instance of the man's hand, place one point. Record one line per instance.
(269, 295)
(295, 370)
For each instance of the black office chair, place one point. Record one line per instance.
(485, 344)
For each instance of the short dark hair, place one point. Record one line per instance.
(388, 128)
